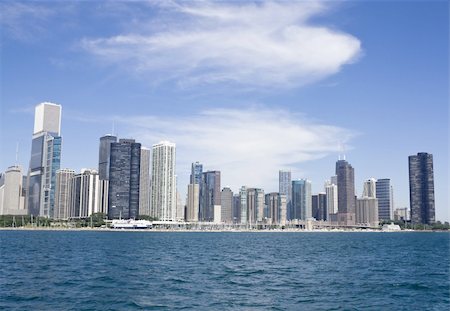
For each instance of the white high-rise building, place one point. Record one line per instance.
(84, 194)
(163, 200)
(370, 190)
(12, 201)
(144, 182)
(62, 193)
(45, 160)
(332, 197)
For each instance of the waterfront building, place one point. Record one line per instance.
(144, 182)
(285, 188)
(62, 193)
(45, 160)
(331, 192)
(180, 208)
(196, 173)
(12, 195)
(319, 206)
(192, 202)
(301, 199)
(369, 188)
(385, 196)
(367, 211)
(236, 208)
(227, 205)
(346, 193)
(83, 194)
(276, 205)
(255, 205)
(421, 188)
(209, 195)
(124, 178)
(104, 155)
(401, 214)
(243, 204)
(163, 204)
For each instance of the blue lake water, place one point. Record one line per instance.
(72, 270)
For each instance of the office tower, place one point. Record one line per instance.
(282, 204)
(243, 204)
(273, 202)
(346, 193)
(179, 209)
(319, 206)
(104, 155)
(367, 211)
(331, 192)
(385, 196)
(196, 173)
(45, 160)
(144, 182)
(421, 188)
(193, 202)
(285, 187)
(236, 208)
(12, 200)
(124, 178)
(84, 196)
(369, 188)
(62, 193)
(301, 199)
(255, 205)
(209, 195)
(226, 200)
(163, 181)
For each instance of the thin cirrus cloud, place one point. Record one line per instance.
(248, 146)
(269, 44)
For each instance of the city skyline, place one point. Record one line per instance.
(318, 119)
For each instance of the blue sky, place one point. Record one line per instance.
(245, 88)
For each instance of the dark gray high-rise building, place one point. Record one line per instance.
(384, 194)
(421, 188)
(104, 155)
(346, 193)
(124, 177)
(319, 206)
(236, 208)
(209, 195)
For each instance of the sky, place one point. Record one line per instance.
(247, 88)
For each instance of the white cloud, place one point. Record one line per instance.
(261, 44)
(248, 146)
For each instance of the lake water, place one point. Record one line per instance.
(73, 270)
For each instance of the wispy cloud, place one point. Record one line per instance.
(248, 145)
(272, 44)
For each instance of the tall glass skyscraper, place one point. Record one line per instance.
(384, 194)
(45, 160)
(301, 199)
(124, 178)
(104, 155)
(346, 193)
(421, 188)
(285, 187)
(196, 173)
(210, 195)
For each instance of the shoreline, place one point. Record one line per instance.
(87, 229)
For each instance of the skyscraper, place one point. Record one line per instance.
(209, 195)
(331, 192)
(276, 204)
(236, 208)
(45, 160)
(421, 188)
(104, 155)
(385, 196)
(226, 201)
(124, 178)
(84, 197)
(367, 211)
(192, 202)
(243, 204)
(144, 182)
(346, 193)
(164, 187)
(369, 189)
(301, 199)
(255, 205)
(62, 193)
(285, 187)
(319, 206)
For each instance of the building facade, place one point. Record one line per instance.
(301, 199)
(285, 188)
(331, 192)
(370, 188)
(210, 195)
(193, 196)
(421, 188)
(45, 160)
(227, 205)
(367, 212)
(62, 193)
(346, 193)
(385, 196)
(12, 194)
(319, 206)
(144, 182)
(124, 178)
(163, 200)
